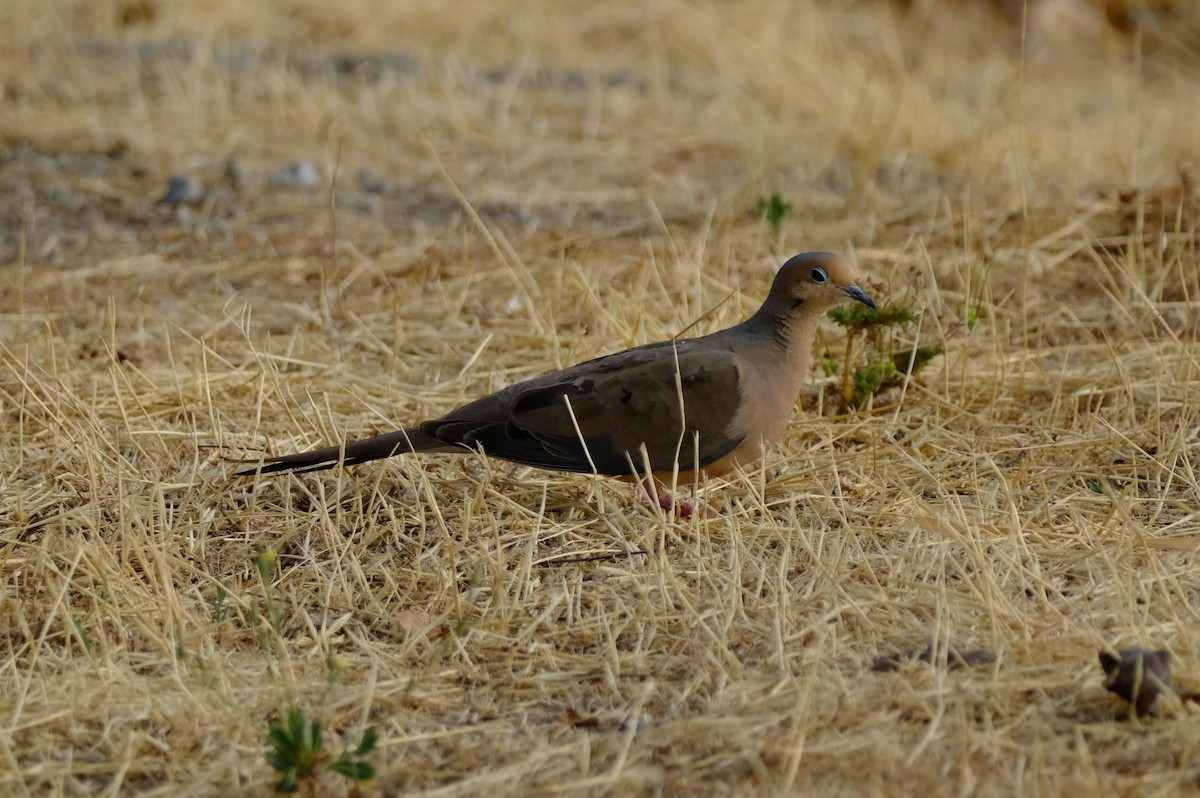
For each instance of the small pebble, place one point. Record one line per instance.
(371, 183)
(182, 190)
(296, 175)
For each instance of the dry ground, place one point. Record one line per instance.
(562, 180)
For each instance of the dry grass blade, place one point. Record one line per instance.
(506, 189)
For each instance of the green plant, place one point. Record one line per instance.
(84, 637)
(294, 751)
(351, 764)
(977, 280)
(886, 368)
(773, 210)
(217, 608)
(972, 317)
(265, 563)
(294, 745)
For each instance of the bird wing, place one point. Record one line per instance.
(677, 399)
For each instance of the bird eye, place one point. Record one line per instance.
(819, 276)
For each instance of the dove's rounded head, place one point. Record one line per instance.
(816, 281)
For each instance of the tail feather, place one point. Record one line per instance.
(352, 453)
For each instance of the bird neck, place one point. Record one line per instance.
(788, 327)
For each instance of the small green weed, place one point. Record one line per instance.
(294, 745)
(217, 608)
(886, 367)
(84, 637)
(294, 751)
(265, 564)
(773, 210)
(972, 317)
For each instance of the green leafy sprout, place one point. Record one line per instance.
(886, 369)
(295, 753)
(773, 210)
(294, 745)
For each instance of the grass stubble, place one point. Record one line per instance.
(567, 181)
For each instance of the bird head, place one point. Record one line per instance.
(814, 282)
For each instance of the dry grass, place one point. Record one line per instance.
(570, 179)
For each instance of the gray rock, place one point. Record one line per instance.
(300, 175)
(182, 190)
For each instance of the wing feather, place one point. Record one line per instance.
(612, 406)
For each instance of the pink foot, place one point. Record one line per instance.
(667, 503)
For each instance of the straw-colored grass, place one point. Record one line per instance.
(569, 179)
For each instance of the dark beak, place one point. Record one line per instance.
(856, 293)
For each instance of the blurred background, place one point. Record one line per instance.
(870, 117)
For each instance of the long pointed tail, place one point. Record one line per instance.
(352, 453)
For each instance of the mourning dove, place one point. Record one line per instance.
(705, 404)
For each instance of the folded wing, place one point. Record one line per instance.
(676, 399)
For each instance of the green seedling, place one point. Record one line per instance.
(886, 368)
(294, 751)
(773, 210)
